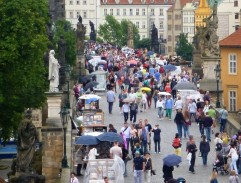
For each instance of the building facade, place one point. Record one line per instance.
(231, 70)
(57, 9)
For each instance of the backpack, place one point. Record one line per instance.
(218, 147)
(176, 143)
(139, 150)
(146, 83)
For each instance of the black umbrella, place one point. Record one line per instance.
(87, 140)
(91, 84)
(87, 78)
(185, 85)
(110, 137)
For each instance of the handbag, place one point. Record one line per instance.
(128, 157)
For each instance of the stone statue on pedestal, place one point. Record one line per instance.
(130, 42)
(80, 34)
(154, 38)
(53, 72)
(92, 33)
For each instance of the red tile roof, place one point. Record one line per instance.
(137, 2)
(233, 40)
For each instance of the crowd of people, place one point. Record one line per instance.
(140, 83)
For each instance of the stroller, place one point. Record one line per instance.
(221, 164)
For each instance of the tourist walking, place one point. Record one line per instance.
(110, 99)
(178, 103)
(160, 107)
(177, 144)
(157, 138)
(167, 172)
(233, 178)
(204, 148)
(192, 108)
(192, 148)
(233, 154)
(169, 106)
(138, 167)
(133, 111)
(126, 110)
(212, 114)
(126, 133)
(213, 178)
(148, 168)
(121, 97)
(187, 124)
(223, 113)
(124, 158)
(115, 151)
(144, 137)
(207, 124)
(200, 121)
(179, 120)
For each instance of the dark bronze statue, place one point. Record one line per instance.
(92, 33)
(154, 38)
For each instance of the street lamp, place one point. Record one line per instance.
(67, 77)
(64, 114)
(218, 77)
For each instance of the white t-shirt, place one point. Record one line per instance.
(126, 108)
(192, 107)
(217, 140)
(160, 104)
(233, 153)
(132, 96)
(126, 132)
(178, 104)
(116, 151)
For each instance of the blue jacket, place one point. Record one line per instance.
(169, 103)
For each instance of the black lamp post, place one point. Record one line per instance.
(218, 77)
(64, 114)
(67, 77)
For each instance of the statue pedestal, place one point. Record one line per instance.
(197, 63)
(130, 43)
(209, 81)
(54, 100)
(27, 178)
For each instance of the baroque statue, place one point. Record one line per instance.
(154, 38)
(92, 33)
(80, 34)
(53, 72)
(27, 135)
(130, 31)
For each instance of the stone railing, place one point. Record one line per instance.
(232, 126)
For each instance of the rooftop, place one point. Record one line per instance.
(233, 40)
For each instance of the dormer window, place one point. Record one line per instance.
(130, 1)
(105, 1)
(143, 1)
(117, 1)
(152, 1)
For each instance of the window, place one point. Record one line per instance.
(185, 20)
(169, 17)
(70, 2)
(71, 14)
(84, 14)
(169, 27)
(232, 64)
(176, 17)
(169, 49)
(176, 27)
(169, 38)
(77, 14)
(118, 12)
(111, 11)
(131, 11)
(152, 12)
(161, 12)
(105, 12)
(143, 11)
(77, 2)
(138, 24)
(235, 3)
(236, 16)
(143, 25)
(232, 101)
(124, 11)
(151, 25)
(84, 2)
(161, 24)
(137, 11)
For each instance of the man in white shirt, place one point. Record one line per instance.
(73, 179)
(126, 130)
(160, 107)
(178, 103)
(115, 151)
(132, 95)
(126, 110)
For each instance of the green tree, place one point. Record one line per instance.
(115, 32)
(63, 28)
(23, 41)
(184, 48)
(144, 43)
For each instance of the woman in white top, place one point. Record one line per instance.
(144, 100)
(206, 107)
(234, 157)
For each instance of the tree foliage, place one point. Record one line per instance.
(184, 49)
(23, 41)
(63, 28)
(144, 43)
(113, 31)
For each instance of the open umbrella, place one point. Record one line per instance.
(185, 86)
(110, 137)
(164, 93)
(90, 96)
(132, 62)
(128, 100)
(170, 67)
(146, 89)
(149, 53)
(86, 78)
(172, 160)
(87, 140)
(91, 84)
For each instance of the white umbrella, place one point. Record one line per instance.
(164, 93)
(90, 96)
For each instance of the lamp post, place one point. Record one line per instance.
(67, 77)
(218, 72)
(64, 114)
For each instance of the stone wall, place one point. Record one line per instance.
(52, 138)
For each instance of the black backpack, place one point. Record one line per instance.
(218, 147)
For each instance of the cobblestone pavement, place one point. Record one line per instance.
(168, 131)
